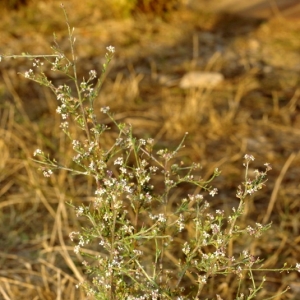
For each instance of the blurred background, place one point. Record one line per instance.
(250, 54)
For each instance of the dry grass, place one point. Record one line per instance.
(256, 110)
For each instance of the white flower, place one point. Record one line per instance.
(93, 74)
(105, 109)
(47, 173)
(76, 249)
(186, 248)
(249, 157)
(118, 161)
(80, 211)
(110, 49)
(72, 234)
(64, 125)
(37, 152)
(28, 74)
(75, 144)
(213, 192)
(161, 218)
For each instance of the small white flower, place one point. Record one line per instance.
(180, 223)
(60, 97)
(58, 110)
(72, 234)
(110, 49)
(92, 166)
(80, 211)
(37, 152)
(64, 125)
(186, 248)
(119, 161)
(105, 109)
(213, 192)
(203, 279)
(142, 142)
(100, 191)
(161, 218)
(123, 170)
(249, 157)
(93, 74)
(47, 173)
(28, 74)
(75, 144)
(76, 249)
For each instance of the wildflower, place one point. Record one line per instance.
(92, 166)
(250, 230)
(123, 170)
(186, 248)
(199, 197)
(28, 74)
(245, 253)
(105, 109)
(119, 161)
(100, 191)
(81, 241)
(206, 235)
(83, 85)
(64, 116)
(77, 158)
(110, 49)
(217, 172)
(72, 234)
(93, 74)
(60, 97)
(203, 279)
(249, 157)
(106, 216)
(78, 285)
(298, 267)
(206, 205)
(37, 152)
(213, 192)
(142, 142)
(268, 166)
(77, 249)
(47, 173)
(80, 211)
(161, 218)
(64, 125)
(215, 228)
(75, 144)
(180, 223)
(153, 169)
(37, 63)
(85, 263)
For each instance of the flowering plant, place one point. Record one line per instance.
(144, 246)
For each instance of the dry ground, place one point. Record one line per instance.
(256, 110)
